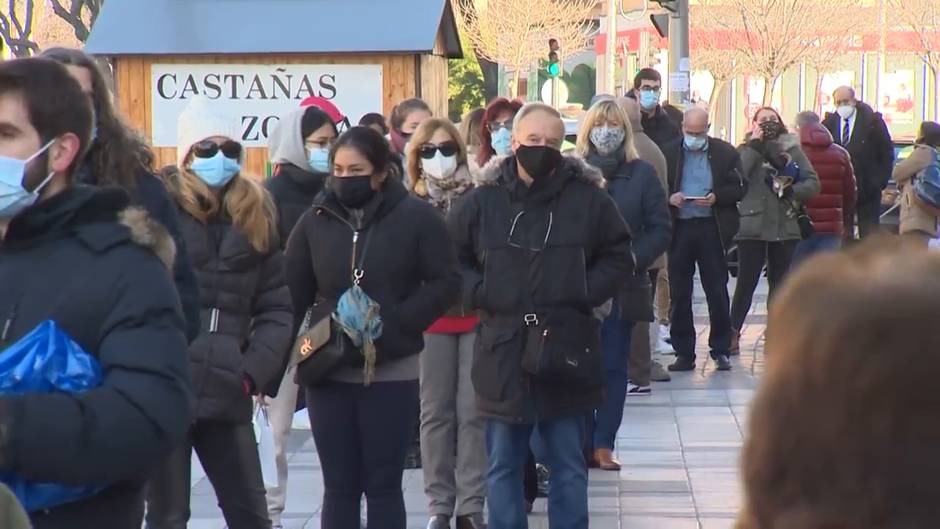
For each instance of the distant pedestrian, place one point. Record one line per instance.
(833, 209)
(397, 246)
(80, 256)
(454, 479)
(375, 121)
(299, 148)
(230, 225)
(841, 432)
(496, 132)
(779, 179)
(918, 219)
(471, 131)
(118, 156)
(658, 124)
(862, 131)
(605, 141)
(404, 120)
(706, 183)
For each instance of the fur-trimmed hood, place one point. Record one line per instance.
(150, 234)
(493, 173)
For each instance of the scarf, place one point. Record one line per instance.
(607, 164)
(441, 193)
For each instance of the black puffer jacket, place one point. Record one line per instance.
(82, 259)
(246, 318)
(410, 267)
(584, 257)
(293, 190)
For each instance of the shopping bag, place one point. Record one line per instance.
(266, 451)
(46, 360)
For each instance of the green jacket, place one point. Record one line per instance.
(12, 515)
(764, 216)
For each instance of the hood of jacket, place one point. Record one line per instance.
(815, 135)
(101, 216)
(498, 170)
(285, 144)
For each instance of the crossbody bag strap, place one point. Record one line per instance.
(357, 268)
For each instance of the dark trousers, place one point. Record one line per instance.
(229, 454)
(697, 242)
(869, 216)
(362, 434)
(751, 258)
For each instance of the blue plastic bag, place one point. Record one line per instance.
(46, 360)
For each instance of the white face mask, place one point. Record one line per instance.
(440, 167)
(846, 111)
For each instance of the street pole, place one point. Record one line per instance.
(611, 57)
(679, 65)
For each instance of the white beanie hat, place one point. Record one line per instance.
(199, 121)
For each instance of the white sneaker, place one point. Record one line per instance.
(634, 390)
(662, 346)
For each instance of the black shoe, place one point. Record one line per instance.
(683, 364)
(439, 522)
(471, 521)
(723, 362)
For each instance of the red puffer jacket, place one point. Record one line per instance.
(833, 209)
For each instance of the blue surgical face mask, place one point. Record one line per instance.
(14, 198)
(695, 143)
(319, 159)
(649, 99)
(501, 141)
(216, 171)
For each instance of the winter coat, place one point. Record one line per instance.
(642, 202)
(101, 272)
(151, 194)
(577, 257)
(246, 315)
(764, 217)
(293, 190)
(915, 217)
(870, 148)
(650, 153)
(833, 209)
(728, 183)
(409, 265)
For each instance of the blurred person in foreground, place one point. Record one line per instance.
(830, 451)
(77, 255)
(918, 219)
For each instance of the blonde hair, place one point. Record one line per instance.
(421, 136)
(603, 112)
(247, 203)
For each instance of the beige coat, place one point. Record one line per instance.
(649, 152)
(915, 217)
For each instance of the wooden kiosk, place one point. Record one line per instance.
(258, 60)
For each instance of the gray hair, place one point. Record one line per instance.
(531, 108)
(692, 112)
(807, 117)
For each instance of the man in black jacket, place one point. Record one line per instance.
(862, 131)
(76, 255)
(705, 185)
(537, 239)
(660, 122)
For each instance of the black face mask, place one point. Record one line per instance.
(353, 191)
(538, 160)
(772, 130)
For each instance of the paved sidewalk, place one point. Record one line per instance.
(679, 447)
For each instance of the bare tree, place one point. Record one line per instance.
(769, 36)
(50, 30)
(837, 37)
(713, 52)
(80, 14)
(515, 33)
(16, 27)
(923, 18)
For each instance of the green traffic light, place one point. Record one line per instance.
(553, 69)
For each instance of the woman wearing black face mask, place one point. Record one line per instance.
(398, 247)
(779, 177)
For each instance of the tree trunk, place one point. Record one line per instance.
(715, 98)
(769, 83)
(514, 84)
(490, 71)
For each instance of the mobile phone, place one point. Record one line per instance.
(694, 198)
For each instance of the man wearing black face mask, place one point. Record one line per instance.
(540, 246)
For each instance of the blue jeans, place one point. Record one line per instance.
(615, 341)
(813, 245)
(507, 448)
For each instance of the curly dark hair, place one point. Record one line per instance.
(118, 153)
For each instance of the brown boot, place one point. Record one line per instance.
(735, 343)
(605, 460)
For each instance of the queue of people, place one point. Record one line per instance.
(473, 285)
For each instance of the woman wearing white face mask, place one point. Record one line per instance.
(230, 228)
(454, 481)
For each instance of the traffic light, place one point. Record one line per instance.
(669, 5)
(553, 67)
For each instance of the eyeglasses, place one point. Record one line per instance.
(448, 148)
(512, 229)
(655, 89)
(496, 126)
(207, 149)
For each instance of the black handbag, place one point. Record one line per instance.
(563, 346)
